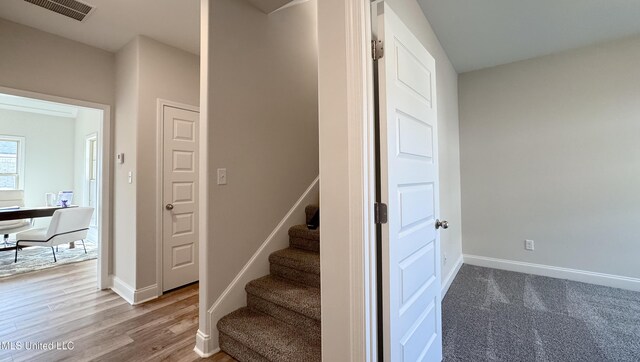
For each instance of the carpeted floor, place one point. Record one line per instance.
(38, 258)
(495, 315)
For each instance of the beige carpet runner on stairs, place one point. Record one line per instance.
(282, 319)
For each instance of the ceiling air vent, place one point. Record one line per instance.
(70, 8)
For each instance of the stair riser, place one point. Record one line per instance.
(306, 325)
(304, 244)
(238, 350)
(312, 280)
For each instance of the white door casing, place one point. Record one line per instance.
(180, 194)
(412, 325)
(91, 176)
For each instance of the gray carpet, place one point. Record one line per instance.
(495, 315)
(38, 258)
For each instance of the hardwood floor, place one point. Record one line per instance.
(62, 305)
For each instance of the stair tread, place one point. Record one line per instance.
(302, 231)
(293, 296)
(267, 336)
(307, 261)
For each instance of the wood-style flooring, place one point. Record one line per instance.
(62, 305)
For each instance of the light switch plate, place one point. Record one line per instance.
(222, 176)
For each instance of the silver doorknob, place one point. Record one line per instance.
(442, 224)
(169, 207)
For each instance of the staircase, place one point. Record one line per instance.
(282, 319)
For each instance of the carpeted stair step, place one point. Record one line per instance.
(301, 237)
(309, 211)
(298, 265)
(248, 335)
(295, 304)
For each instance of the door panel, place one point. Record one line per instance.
(409, 186)
(180, 224)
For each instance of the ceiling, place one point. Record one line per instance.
(115, 22)
(483, 33)
(475, 34)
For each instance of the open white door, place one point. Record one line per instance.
(180, 193)
(412, 326)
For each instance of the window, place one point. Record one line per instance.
(11, 162)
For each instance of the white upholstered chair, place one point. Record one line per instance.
(13, 198)
(66, 225)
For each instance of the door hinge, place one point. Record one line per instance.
(377, 49)
(380, 213)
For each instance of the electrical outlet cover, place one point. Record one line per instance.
(529, 245)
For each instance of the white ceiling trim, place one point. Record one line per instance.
(272, 6)
(29, 105)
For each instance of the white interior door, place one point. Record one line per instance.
(180, 193)
(410, 252)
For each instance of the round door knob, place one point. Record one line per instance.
(442, 224)
(169, 207)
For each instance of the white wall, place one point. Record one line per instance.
(49, 152)
(550, 153)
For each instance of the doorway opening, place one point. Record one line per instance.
(53, 163)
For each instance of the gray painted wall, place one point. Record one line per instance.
(36, 61)
(550, 152)
(146, 70)
(124, 196)
(171, 74)
(262, 109)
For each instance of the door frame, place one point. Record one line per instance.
(351, 42)
(105, 186)
(161, 103)
(87, 183)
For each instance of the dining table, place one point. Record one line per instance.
(19, 213)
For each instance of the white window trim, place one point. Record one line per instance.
(21, 156)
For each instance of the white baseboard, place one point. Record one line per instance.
(123, 289)
(234, 296)
(145, 294)
(609, 280)
(204, 346)
(131, 295)
(446, 283)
